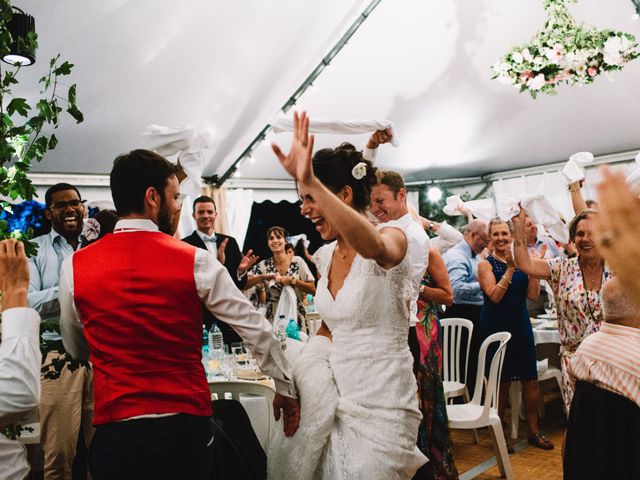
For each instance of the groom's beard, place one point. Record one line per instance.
(165, 223)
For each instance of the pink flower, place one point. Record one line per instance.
(524, 76)
(592, 71)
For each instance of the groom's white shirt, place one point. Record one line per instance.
(418, 252)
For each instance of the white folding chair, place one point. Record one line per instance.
(480, 413)
(262, 421)
(453, 382)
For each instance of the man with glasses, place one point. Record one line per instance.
(67, 402)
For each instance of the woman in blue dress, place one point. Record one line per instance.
(506, 289)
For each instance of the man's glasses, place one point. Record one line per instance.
(75, 204)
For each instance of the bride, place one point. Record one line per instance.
(360, 414)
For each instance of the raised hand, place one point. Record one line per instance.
(511, 263)
(539, 254)
(290, 408)
(221, 255)
(297, 162)
(379, 137)
(519, 221)
(248, 261)
(617, 229)
(14, 274)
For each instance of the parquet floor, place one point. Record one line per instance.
(530, 463)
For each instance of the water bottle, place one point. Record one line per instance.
(293, 330)
(310, 303)
(216, 343)
(205, 342)
(280, 329)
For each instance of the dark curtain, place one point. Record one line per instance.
(283, 214)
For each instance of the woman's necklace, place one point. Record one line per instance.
(498, 258)
(594, 283)
(585, 290)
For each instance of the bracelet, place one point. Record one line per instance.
(502, 286)
(571, 188)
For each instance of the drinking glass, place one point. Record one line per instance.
(228, 367)
(550, 309)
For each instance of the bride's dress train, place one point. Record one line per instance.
(360, 414)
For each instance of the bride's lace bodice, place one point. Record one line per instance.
(359, 410)
(371, 310)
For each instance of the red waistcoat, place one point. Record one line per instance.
(136, 296)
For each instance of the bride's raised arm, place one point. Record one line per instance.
(387, 246)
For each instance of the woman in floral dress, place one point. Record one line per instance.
(576, 284)
(280, 270)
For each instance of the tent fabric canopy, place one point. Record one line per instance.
(228, 67)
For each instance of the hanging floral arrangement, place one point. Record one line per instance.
(564, 52)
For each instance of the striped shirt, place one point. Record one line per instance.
(610, 359)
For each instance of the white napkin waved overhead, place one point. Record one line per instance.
(539, 209)
(346, 127)
(482, 209)
(188, 142)
(573, 171)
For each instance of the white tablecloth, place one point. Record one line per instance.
(545, 335)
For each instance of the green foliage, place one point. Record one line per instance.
(26, 127)
(26, 136)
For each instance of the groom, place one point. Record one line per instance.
(132, 303)
(389, 205)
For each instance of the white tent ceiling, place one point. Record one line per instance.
(227, 67)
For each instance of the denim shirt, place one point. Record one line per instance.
(462, 265)
(44, 274)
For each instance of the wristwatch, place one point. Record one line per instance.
(431, 226)
(293, 281)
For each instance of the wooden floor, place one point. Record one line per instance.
(528, 462)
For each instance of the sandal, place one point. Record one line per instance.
(540, 441)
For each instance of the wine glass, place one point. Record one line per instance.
(228, 367)
(550, 309)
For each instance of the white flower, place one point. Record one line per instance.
(613, 45)
(506, 79)
(581, 69)
(526, 54)
(501, 67)
(517, 57)
(359, 171)
(537, 82)
(91, 229)
(611, 58)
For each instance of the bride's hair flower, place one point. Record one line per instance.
(91, 229)
(359, 171)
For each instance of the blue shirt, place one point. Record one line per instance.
(44, 275)
(462, 265)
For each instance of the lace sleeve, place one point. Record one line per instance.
(321, 258)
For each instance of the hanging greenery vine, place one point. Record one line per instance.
(26, 135)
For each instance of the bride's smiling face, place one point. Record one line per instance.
(313, 212)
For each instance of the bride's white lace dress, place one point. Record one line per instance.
(359, 408)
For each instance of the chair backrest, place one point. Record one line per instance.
(495, 370)
(235, 388)
(452, 347)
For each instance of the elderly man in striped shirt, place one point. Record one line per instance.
(610, 358)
